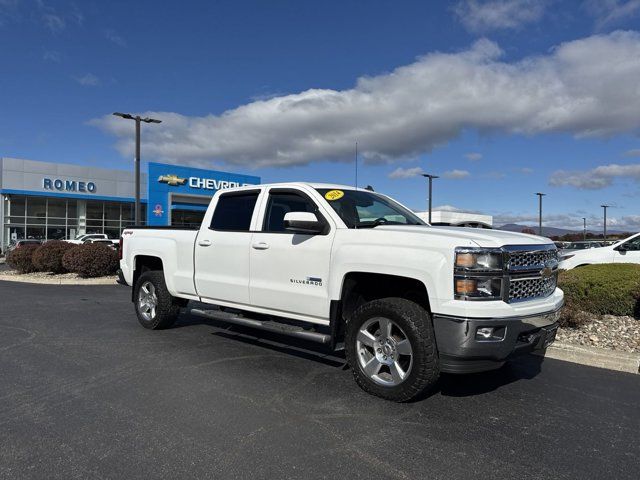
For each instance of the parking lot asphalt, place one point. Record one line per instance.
(85, 392)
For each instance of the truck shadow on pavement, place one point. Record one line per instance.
(521, 368)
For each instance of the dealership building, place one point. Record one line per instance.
(47, 201)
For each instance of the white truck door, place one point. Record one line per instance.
(290, 271)
(221, 258)
(629, 252)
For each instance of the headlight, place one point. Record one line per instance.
(478, 274)
(478, 259)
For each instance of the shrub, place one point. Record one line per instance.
(610, 289)
(91, 260)
(21, 259)
(48, 258)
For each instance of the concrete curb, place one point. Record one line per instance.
(58, 281)
(595, 357)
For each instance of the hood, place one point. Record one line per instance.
(482, 237)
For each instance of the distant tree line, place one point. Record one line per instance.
(576, 237)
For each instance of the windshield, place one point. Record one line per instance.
(620, 242)
(363, 209)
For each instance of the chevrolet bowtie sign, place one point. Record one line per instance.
(172, 180)
(199, 183)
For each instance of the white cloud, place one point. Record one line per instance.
(632, 153)
(483, 16)
(77, 16)
(456, 174)
(8, 11)
(596, 178)
(88, 80)
(406, 172)
(586, 87)
(55, 23)
(612, 12)
(525, 170)
(473, 156)
(52, 56)
(113, 37)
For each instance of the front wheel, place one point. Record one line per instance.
(155, 306)
(390, 346)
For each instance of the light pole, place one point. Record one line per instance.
(584, 228)
(137, 119)
(605, 221)
(540, 195)
(430, 177)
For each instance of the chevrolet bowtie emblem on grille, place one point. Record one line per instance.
(549, 267)
(172, 180)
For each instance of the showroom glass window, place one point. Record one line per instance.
(57, 218)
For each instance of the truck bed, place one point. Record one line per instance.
(173, 245)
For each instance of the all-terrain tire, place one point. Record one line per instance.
(415, 322)
(166, 308)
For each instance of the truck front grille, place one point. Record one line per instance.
(529, 260)
(532, 272)
(530, 288)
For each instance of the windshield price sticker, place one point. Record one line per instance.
(334, 195)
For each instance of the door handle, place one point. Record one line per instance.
(260, 245)
(204, 243)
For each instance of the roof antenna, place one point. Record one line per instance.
(356, 165)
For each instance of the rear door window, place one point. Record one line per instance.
(234, 211)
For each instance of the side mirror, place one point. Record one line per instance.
(621, 248)
(303, 222)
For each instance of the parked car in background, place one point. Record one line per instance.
(624, 251)
(584, 245)
(104, 241)
(80, 239)
(22, 243)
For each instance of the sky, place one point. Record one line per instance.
(500, 98)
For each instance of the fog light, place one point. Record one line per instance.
(484, 333)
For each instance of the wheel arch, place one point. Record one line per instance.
(360, 287)
(144, 263)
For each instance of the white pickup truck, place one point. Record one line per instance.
(352, 269)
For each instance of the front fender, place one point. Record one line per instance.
(430, 268)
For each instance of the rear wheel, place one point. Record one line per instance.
(391, 348)
(155, 306)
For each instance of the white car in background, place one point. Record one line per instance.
(90, 237)
(624, 251)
